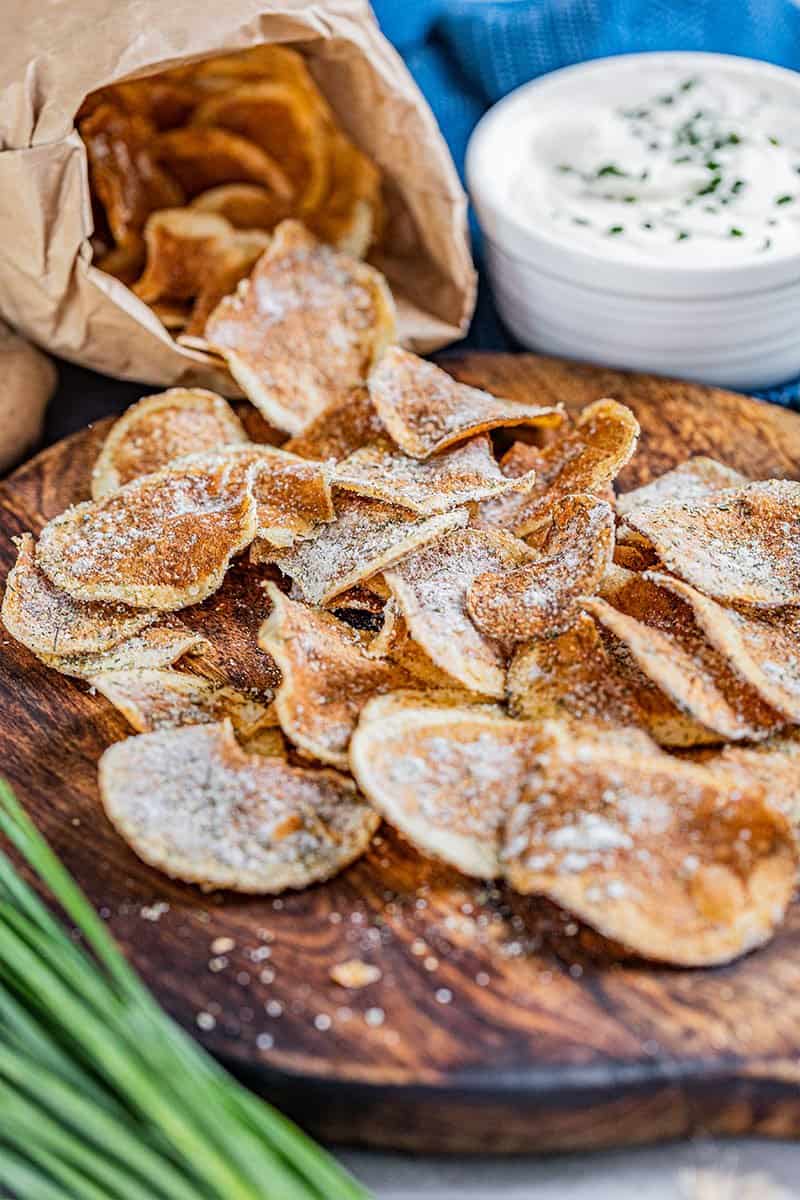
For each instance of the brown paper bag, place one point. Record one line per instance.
(60, 52)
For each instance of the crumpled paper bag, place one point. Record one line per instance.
(60, 52)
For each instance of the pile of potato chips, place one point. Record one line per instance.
(191, 169)
(593, 698)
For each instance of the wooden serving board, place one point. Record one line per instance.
(497, 1024)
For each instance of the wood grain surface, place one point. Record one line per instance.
(497, 1024)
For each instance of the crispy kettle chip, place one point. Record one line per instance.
(586, 457)
(246, 205)
(344, 427)
(461, 475)
(183, 248)
(304, 330)
(49, 621)
(430, 587)
(350, 215)
(661, 855)
(201, 158)
(739, 546)
(365, 538)
(165, 699)
(424, 409)
(160, 428)
(327, 676)
(586, 675)
(266, 61)
(692, 480)
(660, 630)
(443, 772)
(163, 541)
(155, 647)
(234, 263)
(775, 764)
(541, 598)
(192, 803)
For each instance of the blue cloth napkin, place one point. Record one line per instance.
(467, 54)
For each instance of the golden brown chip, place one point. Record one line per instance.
(445, 774)
(663, 856)
(304, 330)
(225, 275)
(341, 429)
(192, 803)
(365, 538)
(204, 158)
(774, 764)
(461, 475)
(587, 676)
(163, 101)
(430, 587)
(155, 647)
(124, 172)
(692, 480)
(49, 621)
(246, 205)
(541, 598)
(271, 61)
(123, 262)
(739, 546)
(163, 541)
(327, 676)
(164, 699)
(160, 428)
(350, 215)
(584, 458)
(279, 117)
(660, 630)
(173, 314)
(424, 409)
(183, 248)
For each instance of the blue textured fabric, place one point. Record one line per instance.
(467, 54)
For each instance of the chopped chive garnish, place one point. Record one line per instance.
(617, 229)
(610, 169)
(683, 234)
(785, 200)
(734, 232)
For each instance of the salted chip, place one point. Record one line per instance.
(660, 630)
(327, 676)
(350, 216)
(761, 646)
(365, 538)
(661, 855)
(195, 805)
(163, 541)
(160, 428)
(49, 621)
(694, 479)
(344, 427)
(587, 676)
(155, 647)
(164, 699)
(430, 588)
(183, 248)
(444, 773)
(265, 61)
(246, 205)
(424, 409)
(739, 546)
(204, 158)
(163, 101)
(233, 265)
(461, 475)
(541, 598)
(774, 764)
(304, 330)
(586, 457)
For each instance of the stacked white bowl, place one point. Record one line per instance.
(731, 323)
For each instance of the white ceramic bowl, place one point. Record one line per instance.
(734, 324)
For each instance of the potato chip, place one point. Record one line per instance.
(204, 158)
(163, 101)
(327, 676)
(278, 117)
(304, 330)
(663, 856)
(246, 205)
(660, 630)
(155, 647)
(739, 546)
(350, 215)
(123, 262)
(49, 621)
(430, 587)
(461, 475)
(160, 428)
(231, 267)
(164, 699)
(584, 458)
(162, 541)
(774, 764)
(587, 676)
(173, 314)
(124, 171)
(266, 61)
(760, 646)
(541, 598)
(365, 538)
(442, 772)
(192, 803)
(344, 427)
(694, 479)
(424, 409)
(183, 248)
